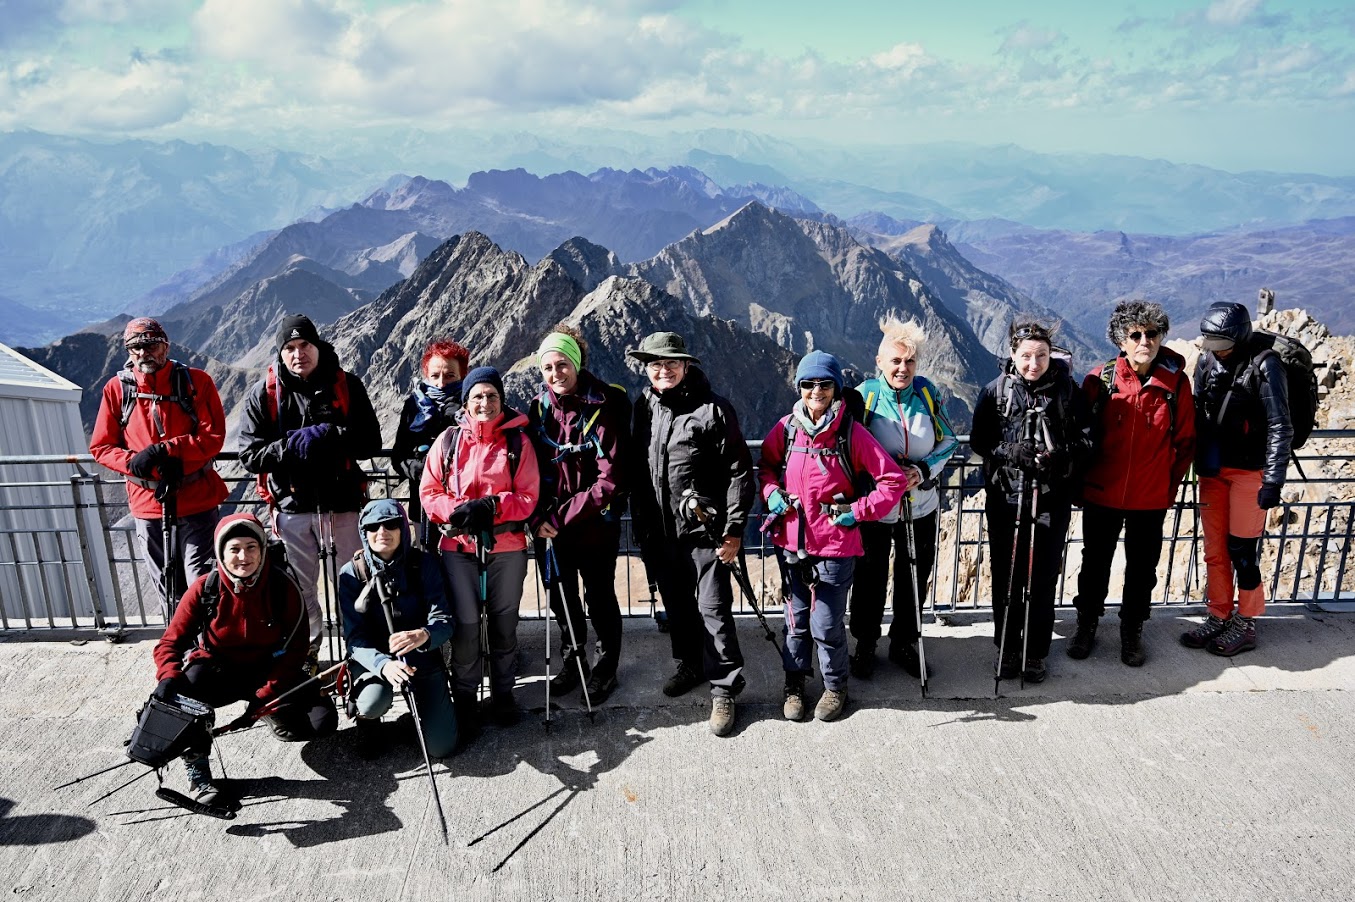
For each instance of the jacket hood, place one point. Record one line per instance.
(379, 511)
(1226, 321)
(236, 526)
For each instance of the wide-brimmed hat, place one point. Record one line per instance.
(662, 346)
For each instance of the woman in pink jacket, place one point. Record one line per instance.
(480, 484)
(816, 464)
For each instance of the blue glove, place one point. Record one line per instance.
(777, 503)
(846, 518)
(308, 440)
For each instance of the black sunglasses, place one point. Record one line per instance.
(388, 525)
(811, 384)
(1151, 335)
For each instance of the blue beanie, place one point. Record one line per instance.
(478, 375)
(819, 365)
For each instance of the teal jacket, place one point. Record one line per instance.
(912, 426)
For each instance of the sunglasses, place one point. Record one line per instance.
(1151, 335)
(388, 525)
(811, 384)
(143, 344)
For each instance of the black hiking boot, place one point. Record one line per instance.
(863, 662)
(1010, 667)
(683, 680)
(503, 709)
(1085, 638)
(905, 655)
(467, 720)
(1240, 636)
(601, 685)
(567, 680)
(368, 741)
(1131, 643)
(1204, 633)
(1036, 672)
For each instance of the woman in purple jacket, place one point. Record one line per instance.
(815, 464)
(580, 427)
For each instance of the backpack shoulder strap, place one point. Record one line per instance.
(341, 391)
(360, 566)
(127, 382)
(928, 393)
(272, 395)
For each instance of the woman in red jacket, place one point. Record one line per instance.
(480, 484)
(1143, 427)
(240, 634)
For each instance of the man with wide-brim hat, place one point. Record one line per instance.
(690, 504)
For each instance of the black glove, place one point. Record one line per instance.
(925, 470)
(171, 475)
(476, 515)
(309, 442)
(169, 687)
(1020, 454)
(413, 471)
(1047, 462)
(1268, 496)
(143, 463)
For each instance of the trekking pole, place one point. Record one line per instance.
(169, 553)
(1176, 530)
(1192, 573)
(548, 619)
(553, 576)
(1030, 576)
(1011, 579)
(324, 548)
(407, 690)
(274, 704)
(740, 570)
(917, 603)
(482, 562)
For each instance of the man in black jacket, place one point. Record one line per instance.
(306, 426)
(690, 503)
(1244, 438)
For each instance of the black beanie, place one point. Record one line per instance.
(296, 326)
(481, 374)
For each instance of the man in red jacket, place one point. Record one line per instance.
(1144, 428)
(160, 423)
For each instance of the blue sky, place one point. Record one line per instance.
(1235, 84)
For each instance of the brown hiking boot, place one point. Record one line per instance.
(721, 715)
(831, 704)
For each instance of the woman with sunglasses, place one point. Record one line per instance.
(430, 408)
(395, 620)
(480, 484)
(1032, 429)
(822, 473)
(1143, 427)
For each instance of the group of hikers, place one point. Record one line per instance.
(848, 480)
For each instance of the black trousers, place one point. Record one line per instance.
(1042, 568)
(588, 556)
(872, 572)
(306, 715)
(1101, 528)
(699, 600)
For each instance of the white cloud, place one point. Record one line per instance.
(145, 94)
(1231, 13)
(1026, 38)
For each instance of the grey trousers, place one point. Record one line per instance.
(374, 696)
(193, 547)
(505, 574)
(303, 535)
(700, 603)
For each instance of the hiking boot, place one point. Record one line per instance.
(905, 655)
(503, 709)
(201, 787)
(1240, 636)
(467, 719)
(1204, 633)
(683, 680)
(794, 706)
(831, 704)
(1131, 643)
(368, 743)
(863, 662)
(1009, 668)
(600, 686)
(567, 680)
(1085, 639)
(1035, 671)
(721, 715)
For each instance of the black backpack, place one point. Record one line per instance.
(181, 382)
(1301, 375)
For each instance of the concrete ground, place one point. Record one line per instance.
(1194, 777)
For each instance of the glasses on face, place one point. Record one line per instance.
(811, 384)
(145, 344)
(1137, 337)
(656, 366)
(387, 525)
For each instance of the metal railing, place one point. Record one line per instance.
(68, 556)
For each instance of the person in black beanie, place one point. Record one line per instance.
(307, 424)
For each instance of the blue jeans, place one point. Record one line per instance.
(819, 612)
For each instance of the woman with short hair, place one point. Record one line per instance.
(430, 408)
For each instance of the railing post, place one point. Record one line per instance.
(94, 552)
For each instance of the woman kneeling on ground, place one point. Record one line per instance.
(813, 462)
(395, 620)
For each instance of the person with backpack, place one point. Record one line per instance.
(395, 620)
(1032, 429)
(905, 413)
(822, 473)
(430, 408)
(480, 484)
(580, 428)
(240, 634)
(306, 426)
(691, 498)
(1143, 431)
(1245, 438)
(160, 423)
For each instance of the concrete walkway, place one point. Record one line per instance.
(1195, 777)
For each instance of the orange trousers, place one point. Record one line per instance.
(1232, 524)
